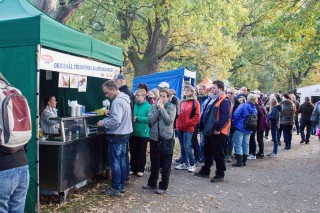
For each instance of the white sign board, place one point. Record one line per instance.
(61, 62)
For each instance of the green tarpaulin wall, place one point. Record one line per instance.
(18, 65)
(22, 28)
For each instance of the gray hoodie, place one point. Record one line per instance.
(119, 121)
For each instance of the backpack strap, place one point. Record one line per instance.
(193, 111)
(3, 79)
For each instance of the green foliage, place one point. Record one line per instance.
(263, 44)
(164, 35)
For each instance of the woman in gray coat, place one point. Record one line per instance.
(161, 118)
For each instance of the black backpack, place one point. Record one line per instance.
(251, 122)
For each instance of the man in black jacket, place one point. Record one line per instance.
(306, 110)
(121, 83)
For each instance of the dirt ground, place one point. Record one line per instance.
(289, 183)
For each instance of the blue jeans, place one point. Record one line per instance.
(118, 160)
(229, 144)
(13, 189)
(241, 142)
(186, 147)
(275, 138)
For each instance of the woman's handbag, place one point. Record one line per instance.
(165, 146)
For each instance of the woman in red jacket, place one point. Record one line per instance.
(188, 117)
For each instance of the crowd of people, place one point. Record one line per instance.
(214, 126)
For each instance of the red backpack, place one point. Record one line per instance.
(15, 119)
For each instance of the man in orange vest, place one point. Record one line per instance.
(214, 125)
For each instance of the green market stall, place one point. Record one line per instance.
(27, 38)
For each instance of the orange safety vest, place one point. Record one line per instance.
(224, 129)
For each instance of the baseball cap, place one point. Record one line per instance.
(119, 76)
(164, 85)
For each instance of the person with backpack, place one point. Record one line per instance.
(188, 118)
(14, 175)
(15, 130)
(244, 121)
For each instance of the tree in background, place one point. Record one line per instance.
(262, 44)
(161, 35)
(281, 38)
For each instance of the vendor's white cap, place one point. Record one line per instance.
(164, 85)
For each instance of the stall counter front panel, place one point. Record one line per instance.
(66, 164)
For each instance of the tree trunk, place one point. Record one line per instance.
(60, 10)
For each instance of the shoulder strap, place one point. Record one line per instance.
(193, 111)
(3, 79)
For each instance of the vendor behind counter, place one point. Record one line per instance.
(49, 110)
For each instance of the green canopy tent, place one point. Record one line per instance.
(24, 33)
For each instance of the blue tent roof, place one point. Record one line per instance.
(175, 79)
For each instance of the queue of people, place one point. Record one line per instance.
(219, 116)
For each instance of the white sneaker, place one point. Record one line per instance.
(131, 173)
(192, 168)
(269, 154)
(273, 155)
(182, 166)
(140, 174)
(251, 157)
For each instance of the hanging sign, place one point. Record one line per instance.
(63, 80)
(61, 62)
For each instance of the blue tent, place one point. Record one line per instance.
(175, 78)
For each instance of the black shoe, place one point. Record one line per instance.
(307, 141)
(148, 187)
(260, 156)
(239, 162)
(112, 192)
(201, 173)
(159, 191)
(302, 141)
(217, 179)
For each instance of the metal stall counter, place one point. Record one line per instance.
(76, 154)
